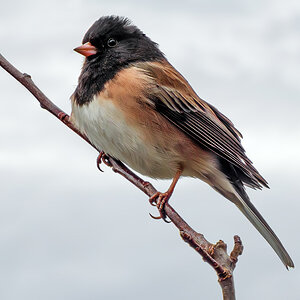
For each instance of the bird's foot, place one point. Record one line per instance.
(159, 200)
(62, 116)
(102, 157)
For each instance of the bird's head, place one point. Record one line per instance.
(114, 42)
(111, 44)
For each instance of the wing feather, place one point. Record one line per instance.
(175, 99)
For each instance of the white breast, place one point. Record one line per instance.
(107, 129)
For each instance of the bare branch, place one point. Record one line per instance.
(216, 255)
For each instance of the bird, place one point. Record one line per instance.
(134, 106)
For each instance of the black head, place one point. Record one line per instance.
(112, 43)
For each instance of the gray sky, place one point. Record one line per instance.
(68, 231)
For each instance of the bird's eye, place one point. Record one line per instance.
(112, 42)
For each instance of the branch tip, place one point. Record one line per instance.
(237, 249)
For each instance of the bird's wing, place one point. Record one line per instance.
(173, 97)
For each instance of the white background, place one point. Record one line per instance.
(68, 231)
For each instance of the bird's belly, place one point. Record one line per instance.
(107, 129)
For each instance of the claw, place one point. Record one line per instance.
(159, 200)
(102, 157)
(99, 161)
(61, 115)
(153, 217)
(152, 199)
(105, 159)
(160, 217)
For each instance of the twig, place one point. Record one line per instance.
(216, 255)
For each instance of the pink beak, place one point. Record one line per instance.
(86, 49)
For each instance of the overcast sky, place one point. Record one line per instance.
(68, 231)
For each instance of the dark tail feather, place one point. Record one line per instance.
(247, 208)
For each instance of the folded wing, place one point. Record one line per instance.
(174, 98)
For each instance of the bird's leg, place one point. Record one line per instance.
(102, 157)
(160, 199)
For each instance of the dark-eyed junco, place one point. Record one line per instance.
(132, 104)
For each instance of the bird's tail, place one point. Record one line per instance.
(238, 196)
(253, 215)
